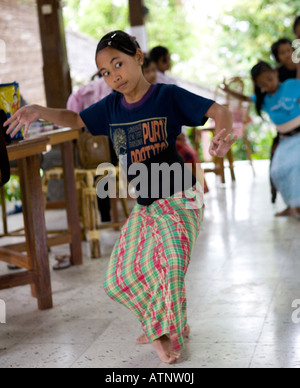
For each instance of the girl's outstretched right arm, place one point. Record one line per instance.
(31, 113)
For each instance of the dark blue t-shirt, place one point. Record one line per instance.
(146, 131)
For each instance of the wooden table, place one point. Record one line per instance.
(36, 261)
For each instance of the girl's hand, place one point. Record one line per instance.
(220, 146)
(24, 117)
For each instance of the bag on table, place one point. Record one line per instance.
(93, 150)
(10, 101)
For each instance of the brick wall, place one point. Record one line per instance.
(19, 30)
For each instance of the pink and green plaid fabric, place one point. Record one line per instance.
(149, 262)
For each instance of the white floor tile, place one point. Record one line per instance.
(242, 281)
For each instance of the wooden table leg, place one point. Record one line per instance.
(35, 229)
(72, 202)
(4, 217)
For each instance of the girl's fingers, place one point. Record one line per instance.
(26, 130)
(10, 120)
(220, 134)
(231, 138)
(18, 128)
(12, 127)
(220, 147)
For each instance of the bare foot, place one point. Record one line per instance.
(144, 340)
(285, 213)
(163, 347)
(295, 213)
(289, 213)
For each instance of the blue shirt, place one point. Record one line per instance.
(146, 131)
(284, 105)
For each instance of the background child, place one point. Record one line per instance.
(148, 264)
(162, 58)
(281, 102)
(150, 70)
(296, 27)
(282, 51)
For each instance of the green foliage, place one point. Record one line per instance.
(226, 43)
(166, 22)
(250, 28)
(96, 17)
(247, 32)
(12, 189)
(167, 25)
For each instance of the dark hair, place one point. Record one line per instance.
(158, 52)
(257, 70)
(119, 40)
(296, 23)
(276, 45)
(147, 61)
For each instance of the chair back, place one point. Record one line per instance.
(4, 163)
(238, 108)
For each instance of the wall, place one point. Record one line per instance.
(19, 30)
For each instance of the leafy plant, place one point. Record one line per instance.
(226, 43)
(12, 189)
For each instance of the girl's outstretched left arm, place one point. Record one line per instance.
(224, 138)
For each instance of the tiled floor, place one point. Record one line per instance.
(243, 279)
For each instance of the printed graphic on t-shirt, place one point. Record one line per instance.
(286, 104)
(140, 140)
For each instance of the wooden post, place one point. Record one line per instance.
(57, 79)
(137, 22)
(136, 12)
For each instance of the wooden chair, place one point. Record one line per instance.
(219, 167)
(87, 178)
(241, 119)
(240, 112)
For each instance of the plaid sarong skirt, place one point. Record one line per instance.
(149, 262)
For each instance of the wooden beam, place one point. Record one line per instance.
(136, 12)
(57, 79)
(15, 258)
(17, 279)
(64, 237)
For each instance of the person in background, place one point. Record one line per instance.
(281, 102)
(162, 58)
(296, 27)
(190, 156)
(88, 95)
(283, 51)
(150, 70)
